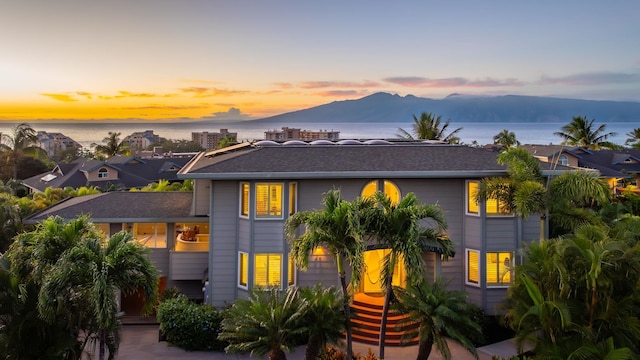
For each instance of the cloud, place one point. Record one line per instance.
(421, 82)
(340, 93)
(338, 84)
(165, 107)
(231, 114)
(88, 95)
(211, 91)
(60, 97)
(283, 85)
(593, 78)
(127, 94)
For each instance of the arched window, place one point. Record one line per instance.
(103, 173)
(563, 160)
(388, 187)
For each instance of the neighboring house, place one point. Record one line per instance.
(119, 172)
(140, 140)
(210, 140)
(249, 190)
(614, 166)
(54, 143)
(297, 134)
(162, 221)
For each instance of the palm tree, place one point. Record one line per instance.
(633, 139)
(438, 314)
(581, 132)
(430, 127)
(112, 146)
(340, 228)
(506, 139)
(92, 272)
(399, 229)
(325, 318)
(268, 322)
(22, 141)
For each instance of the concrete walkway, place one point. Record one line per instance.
(140, 342)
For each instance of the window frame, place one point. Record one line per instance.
(243, 270)
(563, 160)
(467, 268)
(486, 211)
(269, 216)
(498, 262)
(377, 184)
(245, 200)
(103, 173)
(293, 198)
(268, 280)
(292, 273)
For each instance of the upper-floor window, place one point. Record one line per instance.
(492, 206)
(268, 200)
(386, 186)
(244, 199)
(293, 198)
(103, 173)
(563, 160)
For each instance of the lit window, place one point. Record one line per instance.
(244, 199)
(473, 267)
(563, 160)
(151, 235)
(103, 173)
(268, 269)
(268, 200)
(291, 271)
(389, 188)
(243, 270)
(492, 206)
(293, 201)
(499, 268)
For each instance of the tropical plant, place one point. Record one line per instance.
(581, 132)
(438, 314)
(111, 146)
(325, 318)
(91, 273)
(633, 139)
(430, 127)
(268, 322)
(400, 229)
(21, 142)
(340, 228)
(524, 191)
(506, 139)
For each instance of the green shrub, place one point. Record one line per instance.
(190, 326)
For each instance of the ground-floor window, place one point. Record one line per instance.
(243, 270)
(268, 270)
(498, 267)
(473, 267)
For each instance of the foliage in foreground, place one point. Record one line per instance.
(190, 326)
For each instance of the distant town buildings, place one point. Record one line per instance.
(140, 140)
(292, 133)
(54, 143)
(210, 140)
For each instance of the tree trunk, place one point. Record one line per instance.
(102, 344)
(277, 354)
(383, 321)
(347, 312)
(424, 348)
(312, 350)
(543, 222)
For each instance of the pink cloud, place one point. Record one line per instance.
(339, 93)
(421, 82)
(338, 84)
(210, 91)
(594, 78)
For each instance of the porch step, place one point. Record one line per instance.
(366, 320)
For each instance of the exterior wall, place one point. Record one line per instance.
(188, 265)
(223, 248)
(93, 176)
(201, 190)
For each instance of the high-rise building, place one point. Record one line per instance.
(211, 140)
(296, 134)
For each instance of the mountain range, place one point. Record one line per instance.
(385, 107)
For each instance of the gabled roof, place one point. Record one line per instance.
(550, 151)
(122, 206)
(132, 172)
(616, 163)
(398, 160)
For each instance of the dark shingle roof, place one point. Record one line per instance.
(123, 205)
(308, 161)
(612, 162)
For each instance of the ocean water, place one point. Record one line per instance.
(526, 133)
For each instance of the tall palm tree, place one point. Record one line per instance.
(439, 314)
(340, 228)
(581, 132)
(430, 127)
(506, 138)
(399, 228)
(22, 141)
(112, 146)
(267, 323)
(92, 272)
(633, 139)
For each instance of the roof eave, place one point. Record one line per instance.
(346, 175)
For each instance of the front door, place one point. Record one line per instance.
(373, 262)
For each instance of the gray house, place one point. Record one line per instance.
(249, 190)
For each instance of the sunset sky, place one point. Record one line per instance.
(240, 59)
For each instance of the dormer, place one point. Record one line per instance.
(103, 172)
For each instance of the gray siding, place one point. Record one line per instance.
(501, 233)
(188, 265)
(531, 228)
(321, 270)
(201, 189)
(223, 252)
(160, 258)
(473, 232)
(268, 236)
(494, 298)
(244, 234)
(475, 294)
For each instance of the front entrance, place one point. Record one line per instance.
(371, 283)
